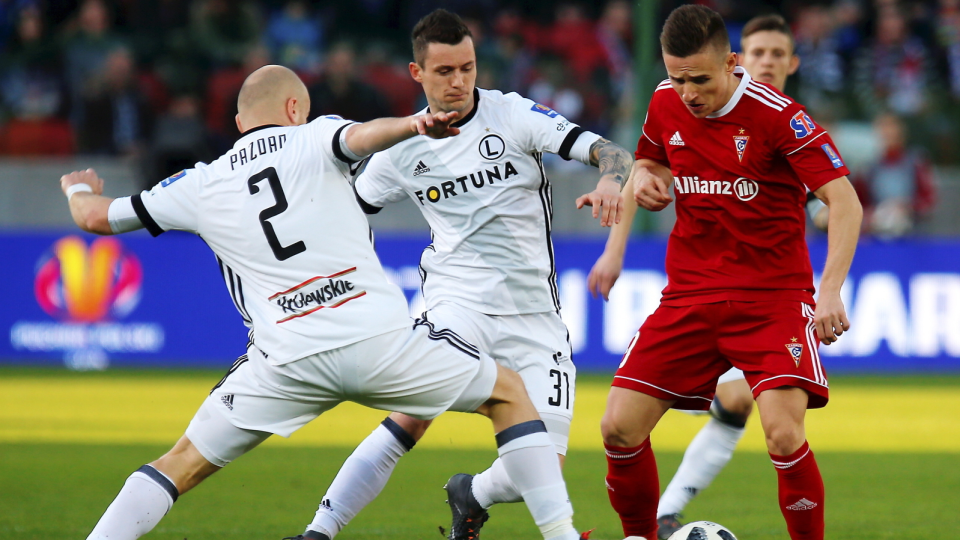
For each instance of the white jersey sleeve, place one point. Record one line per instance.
(378, 184)
(171, 204)
(538, 128)
(327, 132)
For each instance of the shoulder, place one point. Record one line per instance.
(766, 100)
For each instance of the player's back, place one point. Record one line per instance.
(293, 245)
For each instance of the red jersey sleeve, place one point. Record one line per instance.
(650, 145)
(807, 147)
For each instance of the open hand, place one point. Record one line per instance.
(604, 275)
(606, 201)
(437, 125)
(88, 177)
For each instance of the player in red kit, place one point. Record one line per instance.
(739, 155)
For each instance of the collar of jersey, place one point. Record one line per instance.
(737, 94)
(473, 111)
(258, 128)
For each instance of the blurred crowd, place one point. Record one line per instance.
(157, 80)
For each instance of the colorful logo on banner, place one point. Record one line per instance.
(87, 288)
(81, 283)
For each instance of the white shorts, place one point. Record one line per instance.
(733, 374)
(421, 372)
(536, 346)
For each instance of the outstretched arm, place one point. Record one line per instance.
(376, 135)
(606, 270)
(614, 163)
(843, 230)
(87, 206)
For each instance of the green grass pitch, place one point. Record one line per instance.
(58, 490)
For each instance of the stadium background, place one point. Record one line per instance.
(107, 346)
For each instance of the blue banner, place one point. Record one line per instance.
(91, 301)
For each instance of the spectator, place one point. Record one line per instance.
(821, 66)
(30, 83)
(380, 72)
(893, 72)
(85, 50)
(224, 30)
(223, 89)
(117, 115)
(179, 140)
(614, 34)
(294, 37)
(948, 37)
(898, 190)
(573, 38)
(341, 92)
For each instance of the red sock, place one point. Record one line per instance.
(634, 488)
(801, 493)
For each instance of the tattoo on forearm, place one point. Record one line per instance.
(612, 159)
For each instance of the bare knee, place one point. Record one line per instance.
(735, 399)
(630, 417)
(784, 439)
(184, 465)
(413, 426)
(615, 432)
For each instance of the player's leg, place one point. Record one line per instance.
(632, 481)
(149, 493)
(800, 485)
(537, 347)
(365, 473)
(708, 452)
(671, 362)
(775, 344)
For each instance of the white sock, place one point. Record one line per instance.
(362, 477)
(707, 455)
(530, 459)
(494, 486)
(145, 498)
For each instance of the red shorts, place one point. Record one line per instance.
(680, 351)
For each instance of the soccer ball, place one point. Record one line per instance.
(703, 530)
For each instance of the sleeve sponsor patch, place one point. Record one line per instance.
(173, 178)
(544, 110)
(802, 124)
(832, 154)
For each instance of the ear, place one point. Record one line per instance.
(239, 125)
(731, 62)
(292, 108)
(416, 72)
(794, 64)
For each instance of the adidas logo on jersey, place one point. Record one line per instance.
(420, 169)
(326, 504)
(802, 504)
(228, 401)
(676, 140)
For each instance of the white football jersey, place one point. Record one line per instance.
(293, 246)
(487, 200)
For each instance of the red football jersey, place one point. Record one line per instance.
(739, 178)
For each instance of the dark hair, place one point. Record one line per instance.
(767, 23)
(440, 26)
(690, 28)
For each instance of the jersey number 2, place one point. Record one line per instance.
(282, 253)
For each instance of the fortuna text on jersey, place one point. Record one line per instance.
(314, 294)
(477, 180)
(744, 188)
(676, 140)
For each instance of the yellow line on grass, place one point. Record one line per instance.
(137, 410)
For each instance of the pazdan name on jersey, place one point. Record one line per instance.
(257, 148)
(314, 293)
(476, 180)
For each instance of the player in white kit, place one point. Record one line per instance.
(489, 273)
(325, 324)
(768, 55)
